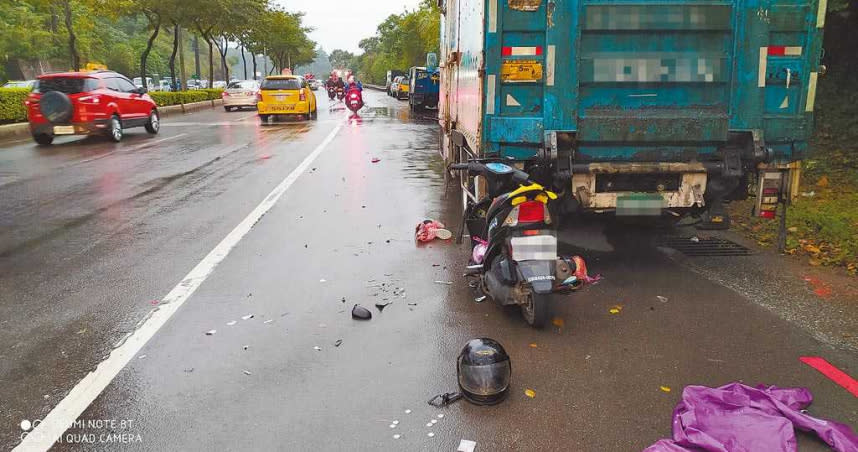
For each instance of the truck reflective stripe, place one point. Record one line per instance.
(521, 51)
(761, 75)
(493, 16)
(811, 91)
(549, 65)
(820, 13)
(784, 51)
(490, 95)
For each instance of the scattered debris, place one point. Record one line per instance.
(246, 347)
(558, 322)
(361, 313)
(82, 331)
(317, 348)
(395, 422)
(587, 357)
(338, 343)
(247, 317)
(616, 309)
(397, 436)
(533, 346)
(427, 230)
(429, 424)
(695, 239)
(430, 434)
(211, 332)
(188, 370)
(142, 357)
(466, 445)
(154, 302)
(381, 305)
(392, 425)
(449, 283)
(433, 422)
(530, 393)
(231, 323)
(412, 304)
(246, 372)
(322, 280)
(375, 160)
(407, 411)
(664, 388)
(480, 299)
(442, 400)
(268, 321)
(661, 299)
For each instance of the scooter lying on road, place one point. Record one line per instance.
(513, 242)
(354, 100)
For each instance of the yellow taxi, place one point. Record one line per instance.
(286, 95)
(402, 88)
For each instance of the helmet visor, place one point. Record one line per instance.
(485, 380)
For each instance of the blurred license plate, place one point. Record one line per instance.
(281, 108)
(640, 204)
(63, 130)
(534, 248)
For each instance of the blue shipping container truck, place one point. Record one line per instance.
(424, 88)
(674, 104)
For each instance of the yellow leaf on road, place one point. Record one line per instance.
(664, 388)
(530, 393)
(558, 322)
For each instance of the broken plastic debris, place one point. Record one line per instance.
(480, 299)
(407, 411)
(375, 160)
(338, 343)
(392, 426)
(395, 422)
(440, 416)
(530, 393)
(246, 347)
(141, 357)
(615, 309)
(322, 280)
(231, 323)
(428, 424)
(247, 372)
(154, 302)
(449, 283)
(533, 346)
(317, 348)
(361, 313)
(381, 305)
(397, 436)
(466, 445)
(247, 317)
(430, 434)
(694, 239)
(210, 332)
(661, 299)
(268, 321)
(433, 421)
(664, 388)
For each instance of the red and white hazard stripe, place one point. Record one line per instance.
(521, 51)
(783, 50)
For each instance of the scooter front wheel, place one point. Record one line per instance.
(535, 310)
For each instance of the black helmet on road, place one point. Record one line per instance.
(484, 371)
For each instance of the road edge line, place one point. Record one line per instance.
(81, 396)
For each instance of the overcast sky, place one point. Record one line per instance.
(341, 24)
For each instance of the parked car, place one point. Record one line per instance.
(392, 74)
(19, 84)
(219, 84)
(86, 103)
(286, 95)
(239, 94)
(402, 88)
(150, 84)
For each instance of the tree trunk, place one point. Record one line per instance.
(253, 57)
(211, 63)
(222, 53)
(149, 43)
(197, 56)
(173, 86)
(75, 57)
(183, 81)
(244, 60)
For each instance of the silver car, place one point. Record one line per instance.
(239, 94)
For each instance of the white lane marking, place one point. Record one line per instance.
(45, 435)
(130, 149)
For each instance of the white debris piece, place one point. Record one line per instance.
(407, 411)
(230, 323)
(430, 434)
(397, 436)
(466, 445)
(247, 317)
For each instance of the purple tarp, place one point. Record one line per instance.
(737, 418)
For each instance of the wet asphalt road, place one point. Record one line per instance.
(94, 233)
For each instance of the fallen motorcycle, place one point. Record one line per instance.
(354, 100)
(513, 240)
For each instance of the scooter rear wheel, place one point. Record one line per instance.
(535, 311)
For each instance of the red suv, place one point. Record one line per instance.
(85, 103)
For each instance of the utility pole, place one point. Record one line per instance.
(264, 61)
(183, 82)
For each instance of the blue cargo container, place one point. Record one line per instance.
(682, 101)
(423, 90)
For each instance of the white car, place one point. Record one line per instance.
(239, 94)
(19, 84)
(219, 84)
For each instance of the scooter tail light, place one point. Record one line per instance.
(531, 212)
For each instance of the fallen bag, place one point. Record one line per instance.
(426, 231)
(738, 418)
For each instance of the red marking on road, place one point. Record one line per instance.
(265, 156)
(834, 374)
(820, 288)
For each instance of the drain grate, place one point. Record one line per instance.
(710, 246)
